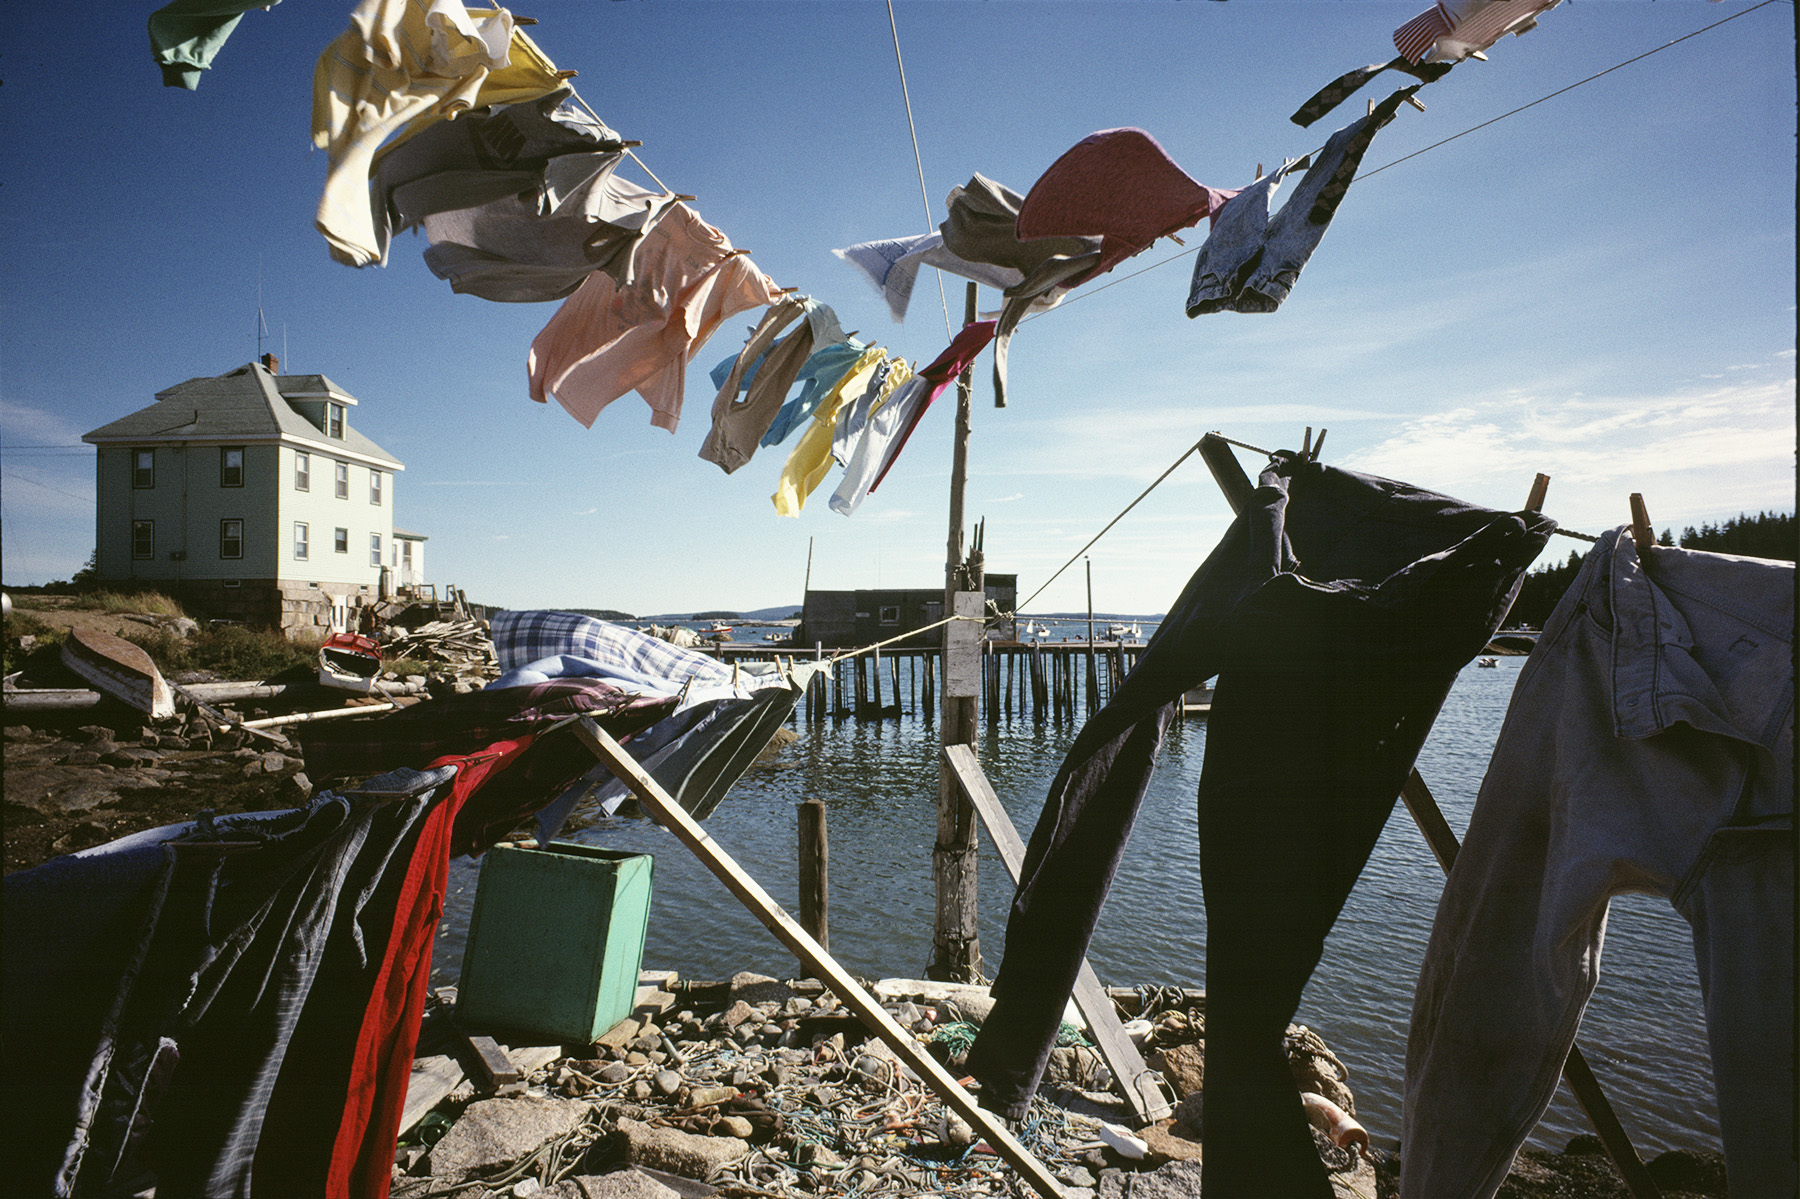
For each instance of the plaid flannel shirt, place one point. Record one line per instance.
(524, 637)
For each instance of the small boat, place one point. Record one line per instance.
(718, 626)
(350, 662)
(1487, 662)
(120, 669)
(1119, 632)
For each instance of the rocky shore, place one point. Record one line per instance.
(757, 1087)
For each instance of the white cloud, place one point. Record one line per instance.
(587, 512)
(1694, 454)
(1007, 499)
(21, 424)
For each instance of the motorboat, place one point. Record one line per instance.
(350, 662)
(1495, 662)
(120, 669)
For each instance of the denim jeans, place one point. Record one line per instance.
(1335, 612)
(1256, 262)
(1648, 748)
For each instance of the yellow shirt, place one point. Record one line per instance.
(811, 458)
(402, 65)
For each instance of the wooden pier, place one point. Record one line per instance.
(1052, 681)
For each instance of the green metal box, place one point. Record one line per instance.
(556, 941)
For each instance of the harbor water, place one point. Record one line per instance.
(1643, 1033)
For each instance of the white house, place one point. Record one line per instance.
(250, 496)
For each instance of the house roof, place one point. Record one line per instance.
(247, 404)
(409, 535)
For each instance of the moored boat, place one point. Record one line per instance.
(350, 662)
(120, 669)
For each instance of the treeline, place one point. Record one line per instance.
(1765, 535)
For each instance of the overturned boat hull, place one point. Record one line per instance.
(120, 669)
(350, 662)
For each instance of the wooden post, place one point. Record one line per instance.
(956, 941)
(672, 816)
(1093, 672)
(815, 869)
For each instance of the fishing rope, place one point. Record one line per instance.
(919, 162)
(1371, 174)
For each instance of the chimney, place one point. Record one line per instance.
(271, 364)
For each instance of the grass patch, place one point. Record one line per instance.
(152, 603)
(26, 624)
(229, 651)
(406, 666)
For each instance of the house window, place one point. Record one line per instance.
(231, 466)
(890, 614)
(143, 468)
(302, 471)
(406, 555)
(334, 420)
(340, 540)
(343, 480)
(231, 539)
(300, 540)
(143, 539)
(375, 487)
(374, 549)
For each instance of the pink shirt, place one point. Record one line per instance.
(1120, 185)
(605, 340)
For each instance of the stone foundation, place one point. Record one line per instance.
(288, 606)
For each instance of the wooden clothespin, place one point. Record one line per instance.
(1371, 107)
(1175, 239)
(1478, 54)
(1258, 174)
(567, 74)
(1540, 487)
(1306, 445)
(679, 196)
(1641, 532)
(1414, 101)
(1319, 444)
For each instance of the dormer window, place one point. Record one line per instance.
(334, 420)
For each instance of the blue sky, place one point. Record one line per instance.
(1600, 288)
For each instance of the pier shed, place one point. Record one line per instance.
(846, 619)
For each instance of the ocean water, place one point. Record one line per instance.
(1643, 1033)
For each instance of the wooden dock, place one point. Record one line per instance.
(1046, 681)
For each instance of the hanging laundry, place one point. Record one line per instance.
(820, 374)
(889, 427)
(811, 458)
(737, 426)
(1451, 30)
(484, 155)
(1349, 83)
(401, 66)
(1120, 185)
(606, 340)
(983, 227)
(853, 417)
(1253, 268)
(187, 35)
(1328, 580)
(892, 265)
(1648, 748)
(533, 249)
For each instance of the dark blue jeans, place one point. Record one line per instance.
(1335, 612)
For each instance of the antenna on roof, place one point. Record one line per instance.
(262, 326)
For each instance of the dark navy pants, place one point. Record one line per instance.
(1335, 612)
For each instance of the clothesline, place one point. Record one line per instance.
(835, 658)
(1092, 291)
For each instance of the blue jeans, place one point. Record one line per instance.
(1649, 747)
(1335, 612)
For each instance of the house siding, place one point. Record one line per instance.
(189, 500)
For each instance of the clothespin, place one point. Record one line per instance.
(1414, 101)
(567, 74)
(1478, 54)
(1306, 445)
(1319, 444)
(1641, 531)
(1175, 239)
(1258, 174)
(1540, 487)
(1371, 107)
(679, 196)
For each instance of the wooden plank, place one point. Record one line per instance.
(432, 1079)
(787, 930)
(962, 646)
(1136, 1079)
(493, 1069)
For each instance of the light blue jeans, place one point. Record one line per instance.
(1648, 748)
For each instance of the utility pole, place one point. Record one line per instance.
(956, 941)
